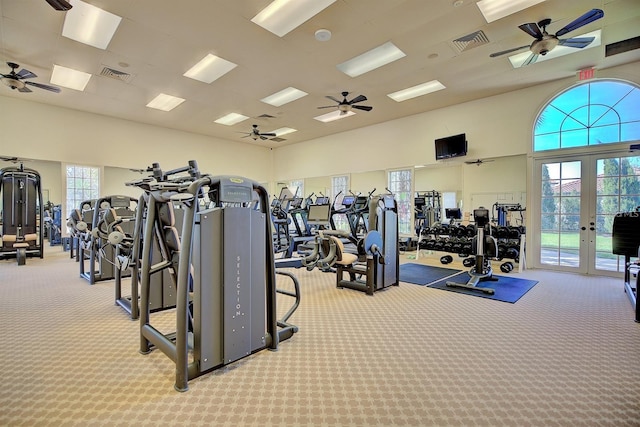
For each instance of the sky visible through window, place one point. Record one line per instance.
(597, 112)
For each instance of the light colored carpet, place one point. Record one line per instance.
(566, 354)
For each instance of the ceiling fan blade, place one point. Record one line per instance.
(592, 15)
(25, 74)
(328, 106)
(332, 98)
(504, 52)
(578, 42)
(24, 89)
(270, 135)
(358, 98)
(45, 87)
(362, 107)
(532, 29)
(530, 60)
(59, 4)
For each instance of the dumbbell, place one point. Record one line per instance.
(471, 230)
(469, 262)
(447, 259)
(514, 232)
(512, 253)
(506, 267)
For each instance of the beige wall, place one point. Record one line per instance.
(497, 127)
(37, 131)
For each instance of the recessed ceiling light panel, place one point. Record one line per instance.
(90, 25)
(335, 115)
(492, 10)
(375, 58)
(415, 91)
(231, 119)
(209, 69)
(284, 131)
(69, 78)
(165, 102)
(284, 96)
(282, 16)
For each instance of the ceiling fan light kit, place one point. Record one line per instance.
(18, 81)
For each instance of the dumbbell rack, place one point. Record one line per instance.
(457, 239)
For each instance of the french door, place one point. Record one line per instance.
(578, 198)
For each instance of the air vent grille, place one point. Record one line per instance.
(622, 46)
(470, 41)
(115, 74)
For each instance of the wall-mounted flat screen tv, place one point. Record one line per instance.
(451, 146)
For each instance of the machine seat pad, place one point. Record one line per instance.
(343, 258)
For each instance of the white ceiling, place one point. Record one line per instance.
(158, 40)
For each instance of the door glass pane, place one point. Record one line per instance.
(618, 190)
(560, 214)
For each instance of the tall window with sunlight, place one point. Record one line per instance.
(400, 184)
(83, 183)
(339, 187)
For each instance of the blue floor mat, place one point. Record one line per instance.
(507, 289)
(419, 274)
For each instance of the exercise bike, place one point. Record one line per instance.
(485, 248)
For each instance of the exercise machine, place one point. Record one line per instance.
(485, 247)
(626, 242)
(22, 214)
(79, 227)
(226, 277)
(53, 223)
(381, 266)
(96, 256)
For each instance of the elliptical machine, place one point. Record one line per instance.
(485, 248)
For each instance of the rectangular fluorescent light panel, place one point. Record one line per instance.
(231, 119)
(165, 102)
(284, 131)
(69, 78)
(284, 96)
(415, 91)
(520, 58)
(335, 115)
(90, 25)
(282, 16)
(371, 60)
(209, 69)
(496, 9)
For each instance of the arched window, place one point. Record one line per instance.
(591, 113)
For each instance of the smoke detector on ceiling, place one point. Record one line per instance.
(323, 35)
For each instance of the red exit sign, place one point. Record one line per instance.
(586, 74)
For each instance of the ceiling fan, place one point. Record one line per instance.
(345, 106)
(255, 134)
(17, 80)
(545, 42)
(477, 162)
